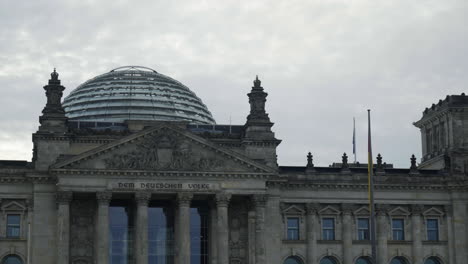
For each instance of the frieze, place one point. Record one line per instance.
(162, 186)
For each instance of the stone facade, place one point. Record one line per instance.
(257, 211)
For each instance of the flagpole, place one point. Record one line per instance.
(354, 139)
(370, 169)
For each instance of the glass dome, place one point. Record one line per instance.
(135, 93)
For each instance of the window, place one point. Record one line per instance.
(432, 260)
(293, 260)
(293, 228)
(363, 260)
(363, 229)
(398, 260)
(13, 225)
(328, 229)
(12, 259)
(328, 260)
(432, 227)
(398, 231)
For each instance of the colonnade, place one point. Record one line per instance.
(219, 218)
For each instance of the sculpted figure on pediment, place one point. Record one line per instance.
(163, 152)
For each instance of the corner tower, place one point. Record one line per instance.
(444, 135)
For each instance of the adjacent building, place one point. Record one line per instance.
(131, 168)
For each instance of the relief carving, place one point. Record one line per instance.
(82, 231)
(163, 152)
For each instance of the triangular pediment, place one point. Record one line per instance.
(13, 206)
(163, 148)
(293, 210)
(399, 211)
(362, 211)
(329, 210)
(433, 212)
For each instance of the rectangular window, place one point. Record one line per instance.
(328, 229)
(293, 228)
(398, 230)
(432, 226)
(13, 225)
(363, 229)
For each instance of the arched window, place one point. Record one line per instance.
(293, 260)
(432, 260)
(363, 260)
(328, 260)
(399, 260)
(12, 259)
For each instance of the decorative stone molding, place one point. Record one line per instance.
(222, 199)
(104, 197)
(260, 200)
(417, 209)
(184, 198)
(63, 197)
(142, 198)
(347, 208)
(312, 208)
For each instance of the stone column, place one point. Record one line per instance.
(251, 234)
(416, 211)
(382, 233)
(141, 227)
(347, 234)
(102, 227)
(213, 234)
(450, 242)
(312, 231)
(260, 203)
(222, 203)
(183, 227)
(63, 227)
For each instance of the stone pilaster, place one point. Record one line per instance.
(102, 227)
(312, 225)
(382, 233)
(251, 233)
(450, 241)
(63, 226)
(141, 228)
(222, 203)
(347, 234)
(416, 211)
(260, 203)
(460, 231)
(183, 227)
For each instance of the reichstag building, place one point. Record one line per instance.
(131, 168)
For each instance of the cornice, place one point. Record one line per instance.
(345, 186)
(153, 174)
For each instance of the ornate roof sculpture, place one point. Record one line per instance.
(135, 93)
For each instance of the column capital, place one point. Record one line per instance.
(104, 197)
(142, 198)
(63, 197)
(417, 209)
(184, 198)
(347, 209)
(312, 208)
(448, 209)
(222, 199)
(259, 200)
(381, 209)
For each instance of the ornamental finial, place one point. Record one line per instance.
(310, 163)
(413, 163)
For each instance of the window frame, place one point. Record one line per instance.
(297, 228)
(367, 230)
(333, 229)
(10, 225)
(437, 229)
(289, 211)
(402, 229)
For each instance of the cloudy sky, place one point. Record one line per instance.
(322, 62)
